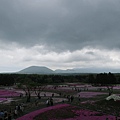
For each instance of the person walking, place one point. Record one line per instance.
(79, 98)
(51, 101)
(15, 113)
(48, 102)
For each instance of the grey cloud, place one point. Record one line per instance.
(61, 25)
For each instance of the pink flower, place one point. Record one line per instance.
(31, 115)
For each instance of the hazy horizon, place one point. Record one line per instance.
(71, 70)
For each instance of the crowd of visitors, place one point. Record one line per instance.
(70, 98)
(11, 114)
(6, 115)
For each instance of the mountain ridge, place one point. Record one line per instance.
(46, 70)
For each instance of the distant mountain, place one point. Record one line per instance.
(36, 70)
(65, 71)
(88, 70)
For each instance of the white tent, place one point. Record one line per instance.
(114, 97)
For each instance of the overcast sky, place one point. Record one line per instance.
(59, 34)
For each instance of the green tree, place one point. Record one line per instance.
(91, 79)
(108, 80)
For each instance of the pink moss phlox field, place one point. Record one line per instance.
(3, 99)
(82, 117)
(88, 115)
(90, 94)
(90, 102)
(79, 114)
(31, 115)
(61, 89)
(8, 93)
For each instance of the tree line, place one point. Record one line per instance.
(11, 79)
(101, 79)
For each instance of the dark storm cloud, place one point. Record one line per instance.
(61, 24)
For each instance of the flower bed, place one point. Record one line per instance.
(65, 112)
(73, 113)
(8, 93)
(90, 115)
(31, 115)
(114, 97)
(3, 99)
(90, 94)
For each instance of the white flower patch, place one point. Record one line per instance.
(114, 97)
